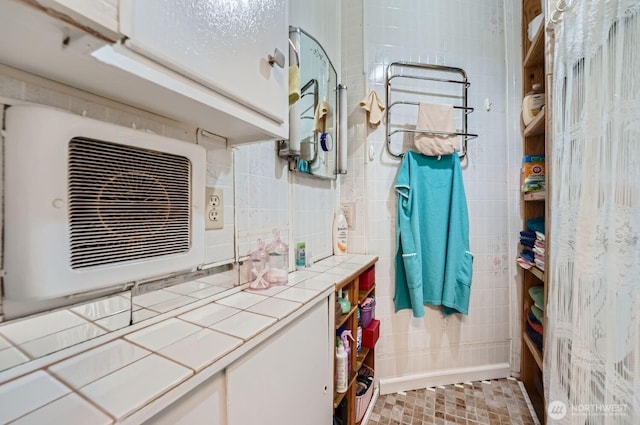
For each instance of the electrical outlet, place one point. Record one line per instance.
(349, 211)
(214, 213)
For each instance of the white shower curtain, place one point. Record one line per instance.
(592, 357)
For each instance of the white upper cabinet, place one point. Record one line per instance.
(200, 62)
(222, 44)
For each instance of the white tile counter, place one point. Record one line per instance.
(129, 375)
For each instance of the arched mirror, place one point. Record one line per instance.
(313, 108)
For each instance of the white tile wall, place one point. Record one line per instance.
(262, 195)
(319, 18)
(220, 242)
(314, 203)
(470, 35)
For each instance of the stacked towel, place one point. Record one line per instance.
(533, 324)
(535, 224)
(537, 313)
(534, 242)
(526, 259)
(528, 238)
(536, 338)
(539, 248)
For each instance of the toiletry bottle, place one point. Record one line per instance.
(343, 300)
(342, 372)
(532, 103)
(345, 335)
(300, 256)
(340, 233)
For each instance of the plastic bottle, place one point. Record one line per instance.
(340, 233)
(345, 335)
(342, 371)
(343, 300)
(300, 256)
(532, 103)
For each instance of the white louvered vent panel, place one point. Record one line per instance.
(126, 203)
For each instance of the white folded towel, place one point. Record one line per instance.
(435, 117)
(372, 104)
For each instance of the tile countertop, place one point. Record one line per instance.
(129, 375)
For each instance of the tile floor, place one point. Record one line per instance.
(489, 402)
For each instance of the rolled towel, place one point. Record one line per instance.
(294, 84)
(435, 117)
(374, 107)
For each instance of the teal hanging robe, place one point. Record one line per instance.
(433, 262)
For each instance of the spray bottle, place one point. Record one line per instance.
(345, 335)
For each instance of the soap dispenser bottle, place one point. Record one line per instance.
(340, 233)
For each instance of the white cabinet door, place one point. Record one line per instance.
(286, 380)
(222, 44)
(204, 405)
(100, 16)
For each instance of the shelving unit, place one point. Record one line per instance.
(350, 287)
(534, 204)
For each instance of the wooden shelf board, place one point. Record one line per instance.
(361, 356)
(346, 316)
(364, 294)
(337, 397)
(538, 195)
(535, 127)
(537, 355)
(535, 54)
(535, 271)
(341, 285)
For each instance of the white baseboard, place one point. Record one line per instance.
(444, 377)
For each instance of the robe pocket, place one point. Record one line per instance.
(412, 269)
(465, 270)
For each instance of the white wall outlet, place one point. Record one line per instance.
(349, 211)
(214, 212)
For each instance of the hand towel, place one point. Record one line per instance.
(320, 116)
(435, 117)
(374, 107)
(294, 84)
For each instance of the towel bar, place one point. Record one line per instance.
(398, 70)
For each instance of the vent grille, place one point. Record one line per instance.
(126, 203)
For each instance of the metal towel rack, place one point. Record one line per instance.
(397, 70)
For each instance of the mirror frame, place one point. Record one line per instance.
(284, 146)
